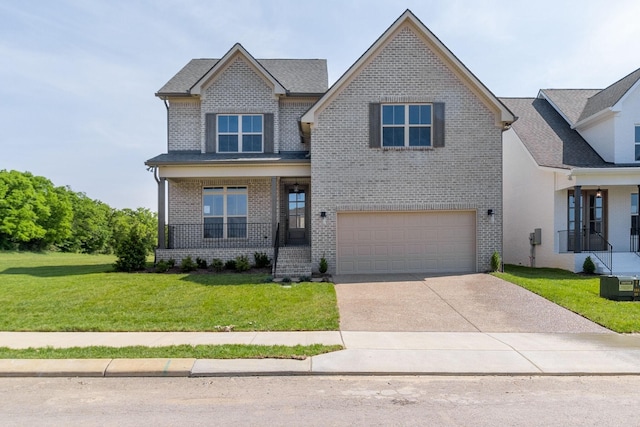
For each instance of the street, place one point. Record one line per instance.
(321, 401)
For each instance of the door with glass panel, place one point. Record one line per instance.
(297, 216)
(592, 220)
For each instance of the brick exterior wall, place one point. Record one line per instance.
(290, 112)
(347, 175)
(184, 125)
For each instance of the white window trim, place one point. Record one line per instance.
(637, 142)
(227, 190)
(406, 126)
(239, 133)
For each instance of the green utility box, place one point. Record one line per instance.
(620, 288)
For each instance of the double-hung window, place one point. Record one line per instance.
(637, 139)
(240, 133)
(407, 125)
(224, 210)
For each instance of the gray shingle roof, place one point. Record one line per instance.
(608, 97)
(570, 101)
(296, 75)
(195, 157)
(548, 137)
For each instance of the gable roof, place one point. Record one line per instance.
(302, 76)
(548, 137)
(569, 102)
(505, 116)
(610, 96)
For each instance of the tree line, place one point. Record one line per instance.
(36, 215)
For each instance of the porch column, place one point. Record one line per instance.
(161, 213)
(274, 207)
(577, 209)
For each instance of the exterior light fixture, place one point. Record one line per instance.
(599, 193)
(492, 216)
(296, 187)
(323, 215)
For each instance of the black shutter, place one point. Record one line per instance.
(210, 132)
(268, 132)
(438, 124)
(374, 125)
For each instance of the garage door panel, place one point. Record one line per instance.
(388, 242)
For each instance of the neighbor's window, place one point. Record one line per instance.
(637, 139)
(224, 210)
(406, 125)
(240, 133)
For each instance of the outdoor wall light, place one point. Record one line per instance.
(323, 215)
(296, 188)
(598, 193)
(492, 216)
(490, 212)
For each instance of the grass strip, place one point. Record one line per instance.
(226, 351)
(578, 293)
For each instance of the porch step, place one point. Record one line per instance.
(293, 262)
(623, 263)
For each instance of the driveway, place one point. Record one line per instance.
(457, 303)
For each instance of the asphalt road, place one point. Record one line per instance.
(321, 401)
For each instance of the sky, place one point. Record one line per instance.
(78, 77)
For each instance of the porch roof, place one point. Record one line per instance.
(198, 158)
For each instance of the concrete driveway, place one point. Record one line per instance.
(457, 303)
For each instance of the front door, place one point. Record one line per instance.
(296, 217)
(592, 220)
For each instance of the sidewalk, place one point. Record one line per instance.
(366, 353)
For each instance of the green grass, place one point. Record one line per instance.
(75, 292)
(230, 351)
(578, 293)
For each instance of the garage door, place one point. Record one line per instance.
(396, 242)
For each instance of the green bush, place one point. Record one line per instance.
(588, 266)
(261, 259)
(242, 263)
(324, 266)
(131, 252)
(162, 266)
(495, 261)
(217, 265)
(304, 279)
(171, 262)
(201, 263)
(188, 265)
(230, 265)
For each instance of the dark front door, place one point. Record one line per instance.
(297, 217)
(592, 220)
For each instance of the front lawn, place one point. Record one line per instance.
(73, 292)
(578, 293)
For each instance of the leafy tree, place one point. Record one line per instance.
(131, 252)
(142, 220)
(91, 231)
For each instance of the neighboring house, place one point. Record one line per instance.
(395, 168)
(572, 169)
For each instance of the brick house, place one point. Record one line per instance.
(572, 170)
(395, 168)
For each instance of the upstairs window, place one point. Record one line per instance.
(240, 133)
(406, 125)
(637, 139)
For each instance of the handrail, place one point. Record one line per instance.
(228, 235)
(605, 255)
(276, 249)
(634, 240)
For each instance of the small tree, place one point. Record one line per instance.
(131, 252)
(588, 266)
(324, 266)
(495, 261)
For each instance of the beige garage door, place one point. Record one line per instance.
(396, 242)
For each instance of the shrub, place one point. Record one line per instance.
(171, 262)
(230, 265)
(286, 280)
(201, 263)
(304, 279)
(262, 260)
(217, 265)
(162, 266)
(131, 252)
(187, 264)
(242, 263)
(324, 266)
(268, 279)
(588, 266)
(495, 261)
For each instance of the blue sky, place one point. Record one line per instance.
(78, 77)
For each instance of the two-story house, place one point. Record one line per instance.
(395, 168)
(572, 170)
